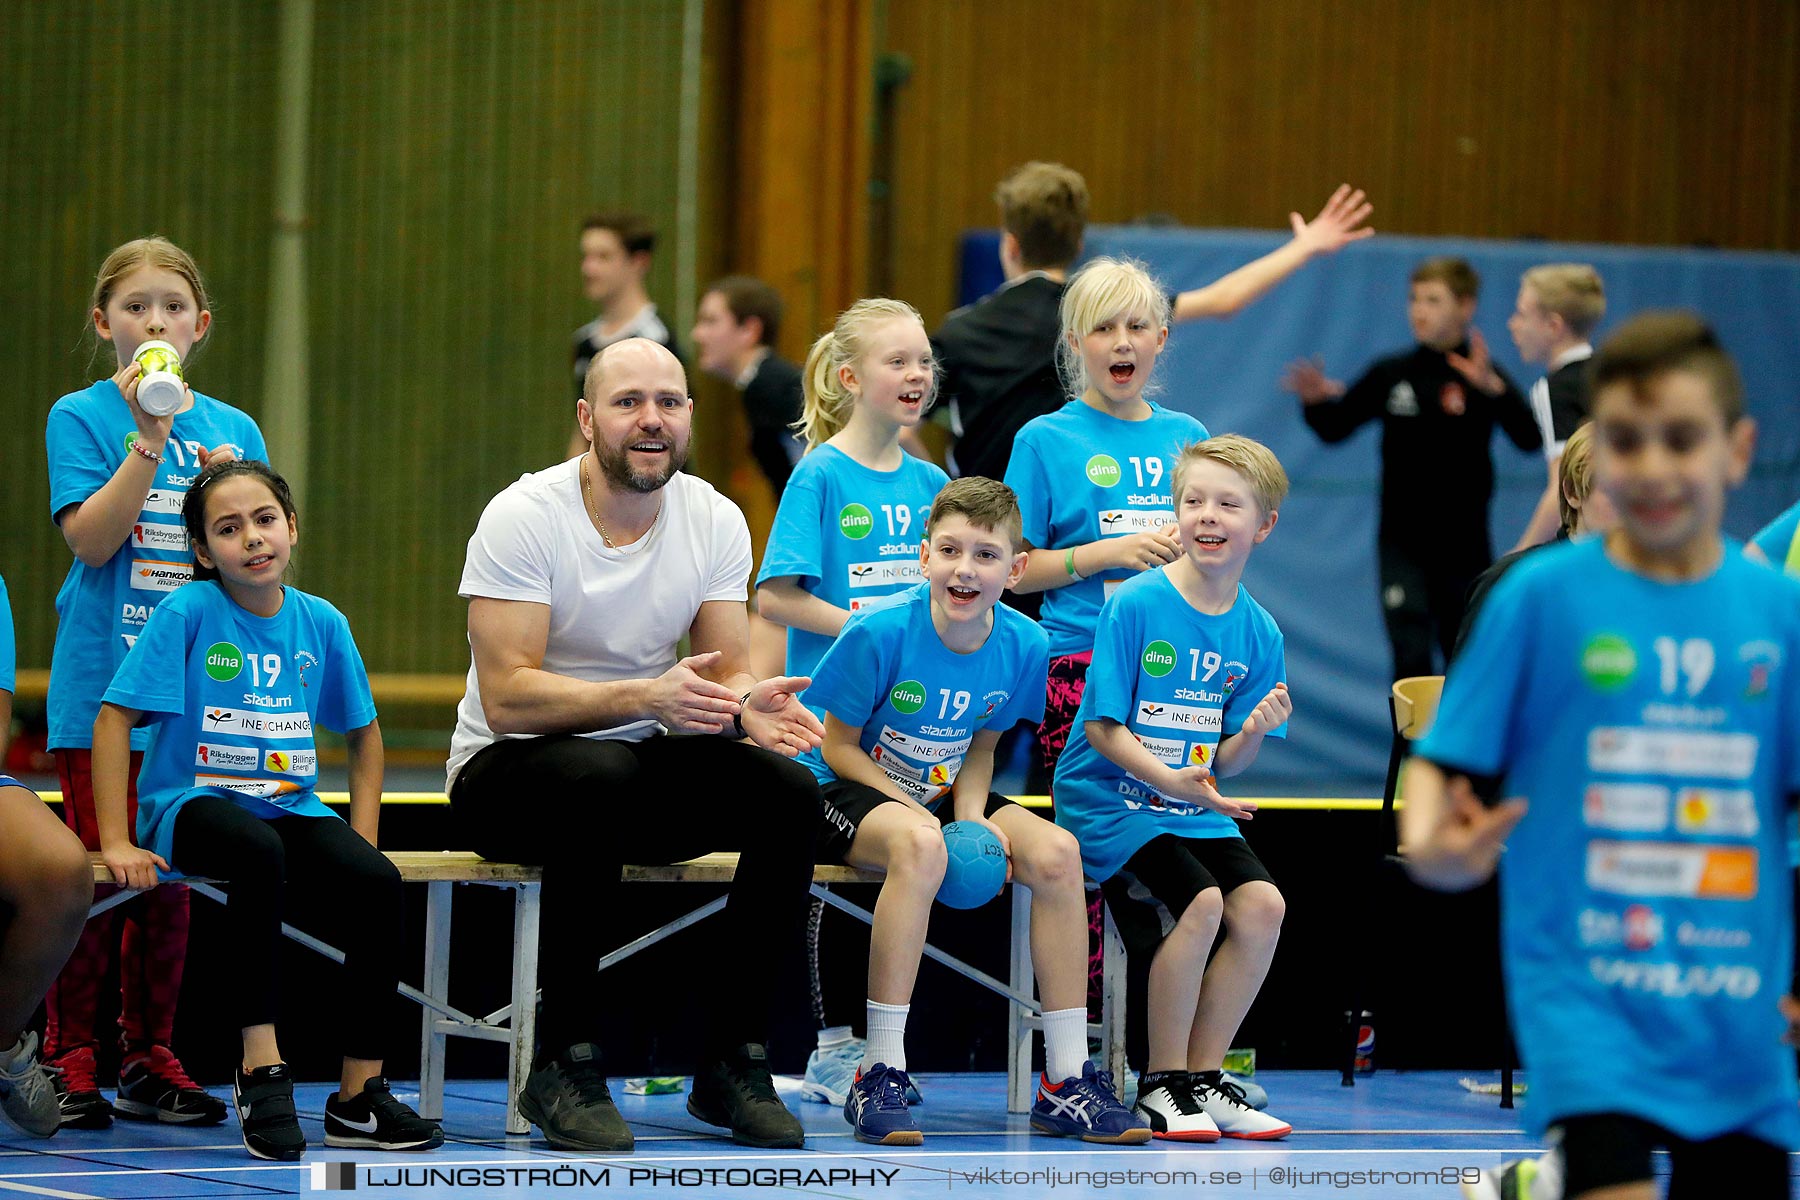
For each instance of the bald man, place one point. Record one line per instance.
(583, 743)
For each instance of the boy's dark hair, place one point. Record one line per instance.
(747, 296)
(193, 506)
(1045, 206)
(1654, 343)
(985, 502)
(1454, 273)
(635, 232)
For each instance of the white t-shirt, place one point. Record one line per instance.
(615, 613)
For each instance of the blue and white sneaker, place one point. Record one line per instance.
(876, 1108)
(1087, 1107)
(829, 1074)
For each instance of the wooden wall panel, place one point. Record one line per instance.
(1654, 121)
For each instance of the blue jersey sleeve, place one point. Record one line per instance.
(8, 651)
(346, 703)
(1269, 669)
(1112, 675)
(79, 464)
(1479, 709)
(797, 536)
(1776, 540)
(1028, 687)
(1026, 476)
(153, 677)
(850, 681)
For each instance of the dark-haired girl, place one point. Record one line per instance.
(231, 673)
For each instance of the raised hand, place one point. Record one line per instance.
(685, 701)
(1270, 712)
(1478, 367)
(1305, 377)
(775, 719)
(1338, 224)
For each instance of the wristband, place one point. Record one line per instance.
(737, 718)
(1069, 565)
(137, 446)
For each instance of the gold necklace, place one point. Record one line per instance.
(587, 495)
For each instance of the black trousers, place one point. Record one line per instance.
(333, 875)
(583, 808)
(1423, 596)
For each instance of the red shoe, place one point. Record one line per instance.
(77, 1092)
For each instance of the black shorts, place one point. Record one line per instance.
(1609, 1149)
(1156, 884)
(848, 802)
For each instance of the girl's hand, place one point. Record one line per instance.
(153, 431)
(1144, 551)
(132, 867)
(221, 455)
(1270, 711)
(1338, 224)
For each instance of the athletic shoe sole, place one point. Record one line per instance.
(339, 1142)
(899, 1137)
(1131, 1137)
(138, 1110)
(818, 1093)
(744, 1139)
(529, 1110)
(1197, 1136)
(1264, 1136)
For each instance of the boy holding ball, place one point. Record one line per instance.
(916, 692)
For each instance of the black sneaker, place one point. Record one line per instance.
(374, 1120)
(567, 1098)
(153, 1086)
(77, 1094)
(265, 1105)
(738, 1093)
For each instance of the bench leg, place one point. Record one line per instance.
(524, 1001)
(1019, 1025)
(437, 986)
(1112, 997)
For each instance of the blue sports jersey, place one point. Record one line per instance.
(1181, 680)
(101, 609)
(1779, 541)
(1082, 475)
(8, 650)
(850, 534)
(1647, 924)
(919, 703)
(232, 700)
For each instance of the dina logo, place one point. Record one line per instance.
(1103, 470)
(908, 696)
(1608, 662)
(855, 521)
(224, 661)
(1159, 659)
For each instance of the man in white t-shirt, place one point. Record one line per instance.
(582, 743)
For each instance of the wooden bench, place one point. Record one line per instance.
(516, 1023)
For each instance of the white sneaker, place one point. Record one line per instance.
(1174, 1113)
(1254, 1095)
(1224, 1103)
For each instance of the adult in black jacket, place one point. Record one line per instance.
(734, 337)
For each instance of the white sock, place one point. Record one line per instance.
(834, 1036)
(887, 1036)
(1065, 1043)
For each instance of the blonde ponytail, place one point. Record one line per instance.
(827, 403)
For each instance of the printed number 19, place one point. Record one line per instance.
(904, 515)
(946, 700)
(271, 663)
(1210, 660)
(1152, 465)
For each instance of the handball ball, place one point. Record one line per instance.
(977, 868)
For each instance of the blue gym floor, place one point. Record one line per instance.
(1392, 1136)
